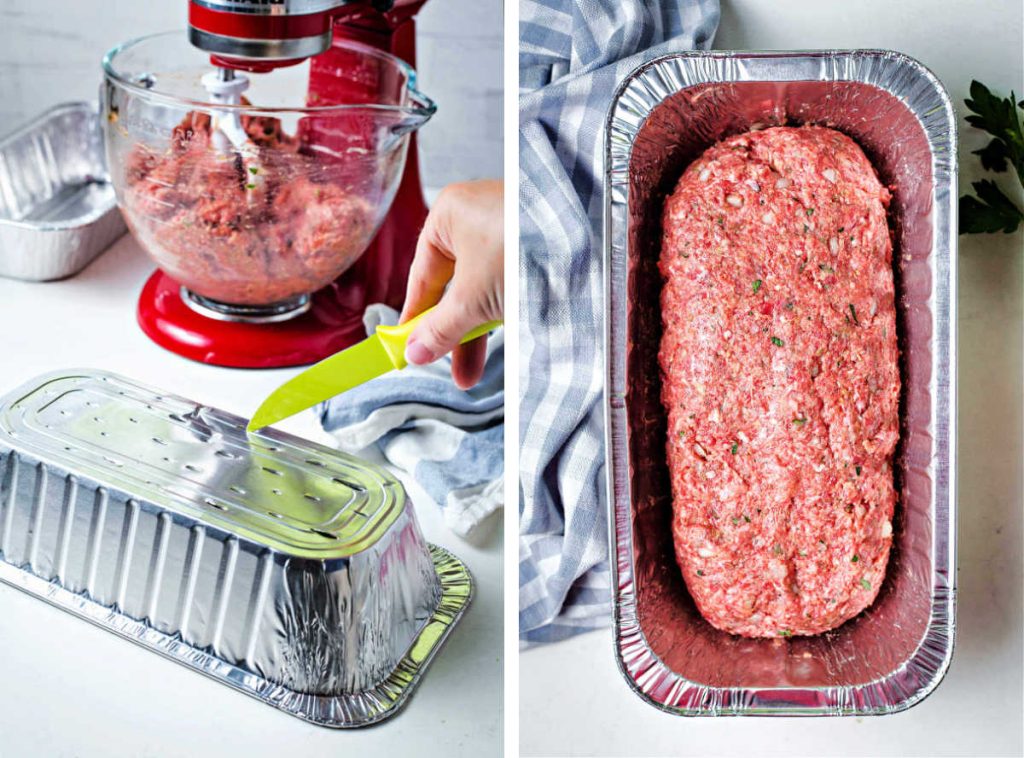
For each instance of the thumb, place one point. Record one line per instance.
(443, 328)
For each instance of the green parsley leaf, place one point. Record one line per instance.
(993, 156)
(777, 342)
(810, 212)
(853, 312)
(998, 117)
(855, 558)
(735, 447)
(799, 421)
(990, 212)
(746, 518)
(785, 633)
(253, 170)
(865, 584)
(735, 521)
(757, 285)
(250, 186)
(700, 573)
(857, 469)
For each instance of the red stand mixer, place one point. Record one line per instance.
(259, 36)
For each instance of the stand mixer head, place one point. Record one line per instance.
(259, 35)
(256, 37)
(263, 33)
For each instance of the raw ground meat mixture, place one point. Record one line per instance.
(780, 380)
(252, 235)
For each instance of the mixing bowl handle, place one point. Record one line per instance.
(394, 338)
(418, 112)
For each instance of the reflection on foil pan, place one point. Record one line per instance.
(282, 568)
(664, 115)
(57, 206)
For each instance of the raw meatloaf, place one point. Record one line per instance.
(282, 228)
(780, 380)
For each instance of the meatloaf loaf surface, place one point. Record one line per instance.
(780, 380)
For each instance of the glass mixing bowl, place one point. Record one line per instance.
(253, 206)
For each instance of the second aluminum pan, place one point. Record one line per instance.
(57, 206)
(279, 567)
(664, 115)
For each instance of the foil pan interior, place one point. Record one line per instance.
(57, 206)
(278, 566)
(665, 114)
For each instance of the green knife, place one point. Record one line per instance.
(374, 356)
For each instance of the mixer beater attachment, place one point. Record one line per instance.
(227, 134)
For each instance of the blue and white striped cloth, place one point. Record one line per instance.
(573, 54)
(449, 441)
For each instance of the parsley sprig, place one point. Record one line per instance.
(992, 210)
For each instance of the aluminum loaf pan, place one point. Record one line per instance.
(57, 206)
(277, 566)
(664, 115)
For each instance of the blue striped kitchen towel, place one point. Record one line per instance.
(448, 440)
(572, 56)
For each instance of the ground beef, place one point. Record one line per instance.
(281, 226)
(780, 380)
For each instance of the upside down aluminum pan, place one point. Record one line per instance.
(57, 206)
(282, 568)
(663, 116)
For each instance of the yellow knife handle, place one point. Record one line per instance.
(394, 338)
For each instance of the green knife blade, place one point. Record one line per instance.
(322, 381)
(366, 360)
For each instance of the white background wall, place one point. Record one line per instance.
(50, 52)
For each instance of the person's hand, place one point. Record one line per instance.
(462, 248)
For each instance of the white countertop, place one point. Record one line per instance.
(573, 701)
(69, 688)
